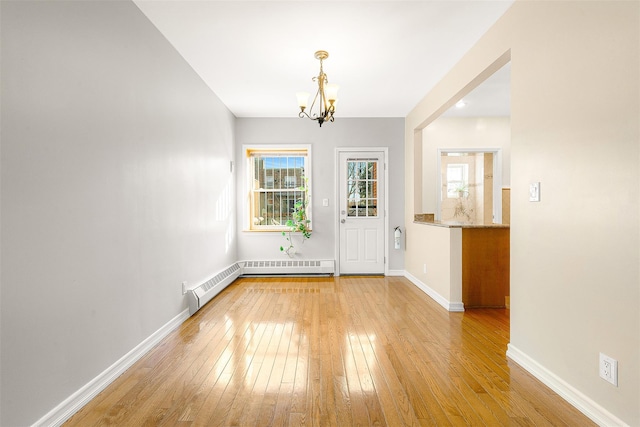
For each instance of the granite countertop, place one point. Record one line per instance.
(427, 219)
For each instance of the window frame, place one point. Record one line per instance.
(249, 153)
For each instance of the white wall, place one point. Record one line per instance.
(575, 280)
(440, 263)
(341, 133)
(115, 188)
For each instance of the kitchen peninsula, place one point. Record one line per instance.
(476, 257)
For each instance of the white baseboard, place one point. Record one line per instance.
(61, 413)
(399, 273)
(587, 406)
(450, 306)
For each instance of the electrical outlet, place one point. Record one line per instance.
(424, 268)
(184, 288)
(609, 369)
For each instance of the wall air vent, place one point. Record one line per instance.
(290, 267)
(203, 293)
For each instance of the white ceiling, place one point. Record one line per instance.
(491, 98)
(385, 55)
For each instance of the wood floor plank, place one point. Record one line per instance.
(217, 344)
(406, 395)
(299, 394)
(220, 375)
(394, 401)
(357, 398)
(334, 345)
(423, 403)
(251, 389)
(330, 351)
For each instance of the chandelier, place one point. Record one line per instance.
(326, 100)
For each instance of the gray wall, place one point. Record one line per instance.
(387, 132)
(115, 188)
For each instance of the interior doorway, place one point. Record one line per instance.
(470, 183)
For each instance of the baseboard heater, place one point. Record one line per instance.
(202, 294)
(287, 267)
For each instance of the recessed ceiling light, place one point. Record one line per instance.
(461, 104)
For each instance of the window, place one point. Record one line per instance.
(457, 180)
(362, 188)
(278, 178)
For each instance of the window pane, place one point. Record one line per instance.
(457, 180)
(362, 188)
(351, 171)
(276, 187)
(352, 189)
(372, 170)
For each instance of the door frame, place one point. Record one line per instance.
(385, 153)
(497, 179)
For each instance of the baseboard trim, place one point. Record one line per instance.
(587, 406)
(449, 306)
(61, 413)
(395, 273)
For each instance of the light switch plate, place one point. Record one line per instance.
(534, 192)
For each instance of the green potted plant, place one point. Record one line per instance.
(299, 223)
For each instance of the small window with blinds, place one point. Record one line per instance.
(279, 177)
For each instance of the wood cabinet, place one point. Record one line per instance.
(485, 267)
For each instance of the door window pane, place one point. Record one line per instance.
(362, 188)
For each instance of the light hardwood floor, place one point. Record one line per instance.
(330, 352)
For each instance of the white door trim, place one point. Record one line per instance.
(385, 152)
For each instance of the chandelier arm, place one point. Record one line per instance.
(315, 98)
(320, 120)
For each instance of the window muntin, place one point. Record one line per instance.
(278, 178)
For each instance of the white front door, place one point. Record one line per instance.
(361, 212)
